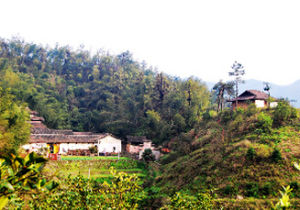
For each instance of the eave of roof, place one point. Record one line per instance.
(61, 138)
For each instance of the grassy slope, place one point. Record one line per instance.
(221, 162)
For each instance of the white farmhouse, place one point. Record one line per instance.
(109, 144)
(65, 141)
(259, 98)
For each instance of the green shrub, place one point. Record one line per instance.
(276, 155)
(264, 122)
(123, 191)
(252, 189)
(251, 110)
(93, 149)
(230, 190)
(154, 199)
(238, 112)
(263, 151)
(226, 116)
(295, 185)
(172, 156)
(284, 113)
(210, 114)
(22, 176)
(251, 154)
(148, 155)
(182, 200)
(266, 189)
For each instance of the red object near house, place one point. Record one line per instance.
(166, 150)
(53, 156)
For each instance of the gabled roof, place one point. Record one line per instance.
(251, 95)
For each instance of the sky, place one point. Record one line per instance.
(184, 38)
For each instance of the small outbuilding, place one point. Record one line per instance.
(138, 144)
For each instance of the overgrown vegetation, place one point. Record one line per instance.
(244, 153)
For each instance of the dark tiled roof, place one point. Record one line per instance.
(41, 134)
(251, 95)
(62, 138)
(45, 130)
(137, 139)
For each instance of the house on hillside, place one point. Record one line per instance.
(259, 98)
(137, 144)
(67, 141)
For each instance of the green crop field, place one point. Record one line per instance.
(93, 158)
(94, 167)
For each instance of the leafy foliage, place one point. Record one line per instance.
(124, 192)
(185, 201)
(284, 113)
(251, 153)
(284, 201)
(93, 149)
(276, 155)
(148, 155)
(73, 89)
(14, 130)
(264, 122)
(20, 176)
(221, 89)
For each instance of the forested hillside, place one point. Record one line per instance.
(216, 154)
(73, 89)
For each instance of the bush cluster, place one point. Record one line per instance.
(284, 113)
(251, 154)
(264, 122)
(253, 189)
(276, 155)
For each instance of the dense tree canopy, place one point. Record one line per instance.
(14, 130)
(73, 89)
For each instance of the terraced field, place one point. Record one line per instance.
(94, 167)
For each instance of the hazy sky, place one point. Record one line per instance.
(182, 38)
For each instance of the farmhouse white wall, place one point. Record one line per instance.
(34, 147)
(65, 147)
(260, 103)
(109, 144)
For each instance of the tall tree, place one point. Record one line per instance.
(221, 89)
(14, 129)
(237, 73)
(162, 87)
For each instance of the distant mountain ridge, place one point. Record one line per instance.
(291, 92)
